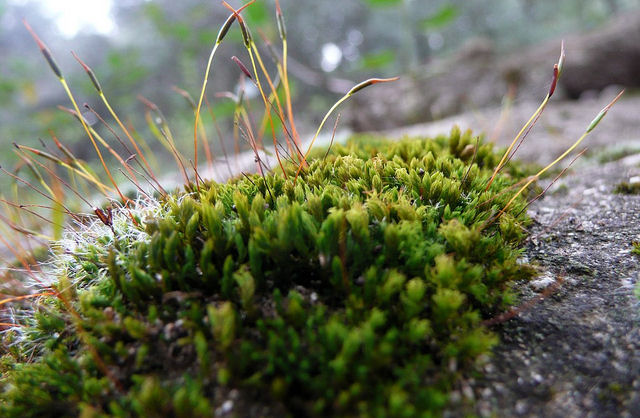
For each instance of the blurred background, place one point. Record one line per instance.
(453, 55)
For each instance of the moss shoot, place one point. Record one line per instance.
(360, 290)
(627, 188)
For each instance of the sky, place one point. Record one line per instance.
(72, 16)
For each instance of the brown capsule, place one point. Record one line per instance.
(244, 69)
(39, 153)
(554, 81)
(45, 51)
(246, 35)
(52, 62)
(186, 96)
(468, 151)
(62, 147)
(225, 28)
(89, 72)
(370, 82)
(106, 216)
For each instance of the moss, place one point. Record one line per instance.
(359, 289)
(616, 153)
(627, 188)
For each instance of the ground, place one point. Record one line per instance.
(577, 352)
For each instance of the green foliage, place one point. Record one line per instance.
(383, 3)
(128, 65)
(378, 60)
(352, 291)
(444, 16)
(259, 15)
(615, 153)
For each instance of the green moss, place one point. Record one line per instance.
(627, 188)
(616, 153)
(358, 290)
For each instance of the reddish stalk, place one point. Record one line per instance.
(589, 129)
(54, 67)
(100, 139)
(35, 189)
(96, 84)
(333, 135)
(557, 70)
(282, 30)
(504, 317)
(246, 72)
(164, 133)
(219, 133)
(564, 170)
(203, 132)
(221, 35)
(350, 93)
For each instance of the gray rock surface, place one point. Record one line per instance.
(477, 76)
(560, 125)
(577, 353)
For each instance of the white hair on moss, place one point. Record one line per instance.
(94, 239)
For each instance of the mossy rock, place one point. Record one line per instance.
(357, 290)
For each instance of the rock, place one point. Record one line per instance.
(477, 76)
(581, 352)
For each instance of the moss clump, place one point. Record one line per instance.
(616, 153)
(627, 188)
(360, 290)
